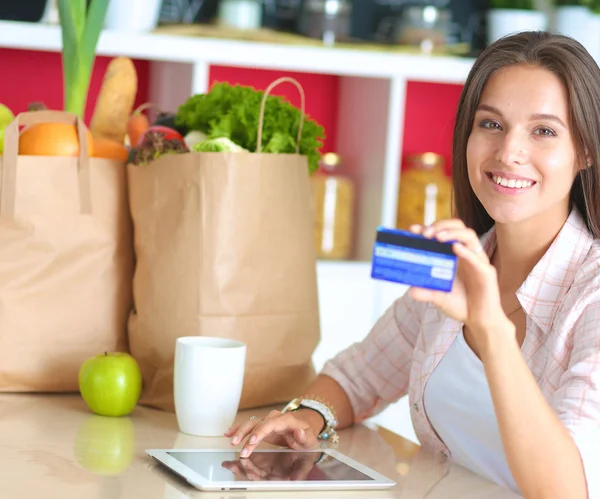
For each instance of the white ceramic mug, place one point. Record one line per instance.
(207, 382)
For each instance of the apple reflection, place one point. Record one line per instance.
(105, 445)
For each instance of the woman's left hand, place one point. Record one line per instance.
(475, 298)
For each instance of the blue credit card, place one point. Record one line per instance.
(407, 258)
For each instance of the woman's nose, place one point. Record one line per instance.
(512, 149)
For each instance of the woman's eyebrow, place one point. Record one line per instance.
(491, 109)
(549, 117)
(533, 117)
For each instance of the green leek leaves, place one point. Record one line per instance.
(81, 27)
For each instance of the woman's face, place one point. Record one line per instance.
(520, 154)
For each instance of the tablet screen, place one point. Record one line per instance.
(268, 466)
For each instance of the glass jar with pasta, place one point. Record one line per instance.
(333, 197)
(425, 193)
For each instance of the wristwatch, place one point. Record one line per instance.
(328, 432)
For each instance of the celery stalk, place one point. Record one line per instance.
(81, 27)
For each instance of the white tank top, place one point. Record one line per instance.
(459, 406)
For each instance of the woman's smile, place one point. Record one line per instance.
(505, 184)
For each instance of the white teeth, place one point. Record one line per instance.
(512, 183)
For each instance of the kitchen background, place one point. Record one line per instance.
(388, 146)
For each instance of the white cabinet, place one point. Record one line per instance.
(350, 303)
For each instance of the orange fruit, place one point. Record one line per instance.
(52, 139)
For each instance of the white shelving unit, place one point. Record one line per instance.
(370, 128)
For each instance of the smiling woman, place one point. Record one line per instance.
(520, 145)
(503, 371)
(533, 104)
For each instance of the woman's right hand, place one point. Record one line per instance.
(292, 429)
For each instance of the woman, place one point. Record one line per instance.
(503, 372)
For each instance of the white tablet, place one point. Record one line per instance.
(272, 469)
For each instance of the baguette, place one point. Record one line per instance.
(115, 100)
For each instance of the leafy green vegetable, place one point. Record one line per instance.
(232, 111)
(222, 144)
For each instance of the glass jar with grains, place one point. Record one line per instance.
(333, 198)
(425, 193)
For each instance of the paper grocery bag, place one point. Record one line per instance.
(224, 246)
(66, 261)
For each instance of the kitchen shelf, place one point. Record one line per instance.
(241, 53)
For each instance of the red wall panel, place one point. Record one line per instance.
(429, 123)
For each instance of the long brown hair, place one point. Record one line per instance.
(579, 73)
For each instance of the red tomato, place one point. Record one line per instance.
(169, 133)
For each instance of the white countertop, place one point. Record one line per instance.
(52, 447)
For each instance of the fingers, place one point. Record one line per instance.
(252, 470)
(473, 267)
(479, 276)
(452, 230)
(428, 295)
(232, 430)
(301, 439)
(467, 237)
(301, 468)
(276, 428)
(439, 225)
(241, 431)
(235, 468)
(284, 425)
(305, 438)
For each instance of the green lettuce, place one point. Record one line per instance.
(221, 144)
(232, 111)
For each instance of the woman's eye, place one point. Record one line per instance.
(490, 125)
(545, 132)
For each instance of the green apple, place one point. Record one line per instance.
(6, 116)
(105, 446)
(111, 383)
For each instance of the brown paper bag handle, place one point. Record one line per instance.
(262, 110)
(8, 187)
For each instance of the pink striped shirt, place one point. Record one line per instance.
(561, 300)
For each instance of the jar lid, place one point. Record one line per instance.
(426, 159)
(330, 161)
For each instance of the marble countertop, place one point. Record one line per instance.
(53, 447)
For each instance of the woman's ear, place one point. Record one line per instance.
(588, 159)
(582, 166)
